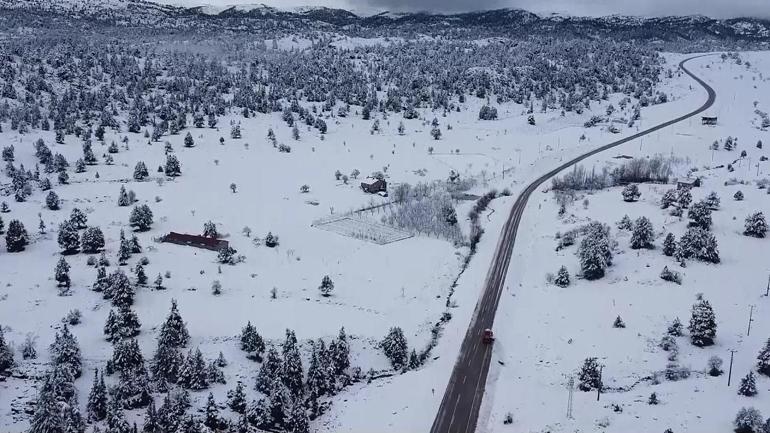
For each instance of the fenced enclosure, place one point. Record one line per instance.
(361, 228)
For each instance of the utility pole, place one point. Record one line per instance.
(751, 315)
(767, 292)
(730, 373)
(570, 390)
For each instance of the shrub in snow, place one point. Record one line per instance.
(672, 276)
(508, 419)
(712, 201)
(703, 326)
(748, 386)
(562, 277)
(755, 225)
(653, 400)
(304, 189)
(140, 171)
(618, 323)
(595, 251)
(216, 288)
(631, 193)
(642, 234)
(271, 240)
(700, 215)
(763, 359)
(28, 347)
(625, 223)
(327, 286)
(395, 347)
(227, 255)
(738, 196)
(589, 377)
(73, 318)
(675, 372)
(669, 198)
(669, 245)
(748, 420)
(668, 343)
(16, 238)
(714, 366)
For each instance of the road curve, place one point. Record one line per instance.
(459, 409)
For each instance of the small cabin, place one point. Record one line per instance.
(689, 183)
(374, 186)
(195, 241)
(710, 121)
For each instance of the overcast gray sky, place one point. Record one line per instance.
(715, 8)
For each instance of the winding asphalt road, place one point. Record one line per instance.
(459, 410)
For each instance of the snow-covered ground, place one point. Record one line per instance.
(545, 332)
(404, 283)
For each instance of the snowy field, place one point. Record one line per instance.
(544, 332)
(406, 281)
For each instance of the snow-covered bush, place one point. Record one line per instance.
(703, 325)
(631, 193)
(672, 276)
(755, 225)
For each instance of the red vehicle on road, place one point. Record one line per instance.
(487, 337)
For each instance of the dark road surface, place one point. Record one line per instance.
(459, 409)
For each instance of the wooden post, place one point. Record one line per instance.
(751, 314)
(730, 372)
(599, 387)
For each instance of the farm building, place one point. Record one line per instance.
(688, 182)
(709, 120)
(195, 241)
(374, 186)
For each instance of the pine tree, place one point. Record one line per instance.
(210, 230)
(252, 343)
(748, 420)
(141, 218)
(78, 218)
(226, 255)
(62, 273)
(192, 374)
(395, 347)
(643, 234)
(748, 386)
(212, 419)
(172, 167)
(68, 238)
(102, 282)
(590, 376)
(327, 286)
(675, 329)
(6, 355)
(158, 283)
(188, 140)
(141, 277)
(291, 373)
(562, 277)
(120, 289)
(316, 377)
(700, 215)
(123, 324)
(625, 223)
(595, 251)
(755, 225)
(341, 353)
(236, 399)
(166, 362)
(763, 359)
(123, 199)
(269, 371)
(97, 399)
(712, 201)
(140, 171)
(669, 245)
(116, 419)
(703, 326)
(52, 201)
(174, 330)
(297, 420)
(618, 323)
(126, 356)
(151, 421)
(65, 351)
(92, 240)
